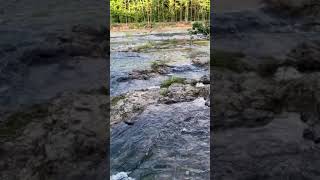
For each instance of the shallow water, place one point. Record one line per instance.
(164, 137)
(123, 60)
(166, 142)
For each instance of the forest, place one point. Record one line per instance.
(151, 11)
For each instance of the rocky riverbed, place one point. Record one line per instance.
(160, 106)
(265, 96)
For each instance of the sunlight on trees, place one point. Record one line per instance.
(149, 11)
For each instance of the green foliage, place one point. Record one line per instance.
(200, 28)
(129, 11)
(156, 65)
(167, 83)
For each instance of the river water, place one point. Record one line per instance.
(123, 60)
(166, 141)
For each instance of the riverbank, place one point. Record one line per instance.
(144, 27)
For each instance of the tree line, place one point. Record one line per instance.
(149, 11)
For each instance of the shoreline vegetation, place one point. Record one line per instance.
(143, 27)
(150, 11)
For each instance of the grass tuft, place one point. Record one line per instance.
(167, 83)
(156, 65)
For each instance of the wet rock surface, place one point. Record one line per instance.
(152, 134)
(162, 141)
(58, 59)
(266, 117)
(50, 52)
(127, 106)
(63, 139)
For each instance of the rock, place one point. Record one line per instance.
(305, 57)
(137, 74)
(126, 107)
(67, 141)
(205, 79)
(308, 134)
(274, 151)
(300, 94)
(192, 82)
(181, 93)
(132, 104)
(164, 137)
(245, 100)
(287, 74)
(201, 61)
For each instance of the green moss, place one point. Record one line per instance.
(116, 99)
(167, 83)
(229, 60)
(166, 44)
(201, 43)
(17, 121)
(156, 65)
(147, 45)
(164, 91)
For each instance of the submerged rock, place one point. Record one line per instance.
(161, 142)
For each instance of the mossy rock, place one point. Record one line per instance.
(116, 99)
(156, 65)
(167, 83)
(164, 91)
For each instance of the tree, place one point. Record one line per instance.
(126, 11)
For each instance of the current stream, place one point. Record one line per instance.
(166, 141)
(124, 61)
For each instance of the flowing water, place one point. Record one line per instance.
(166, 141)
(124, 60)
